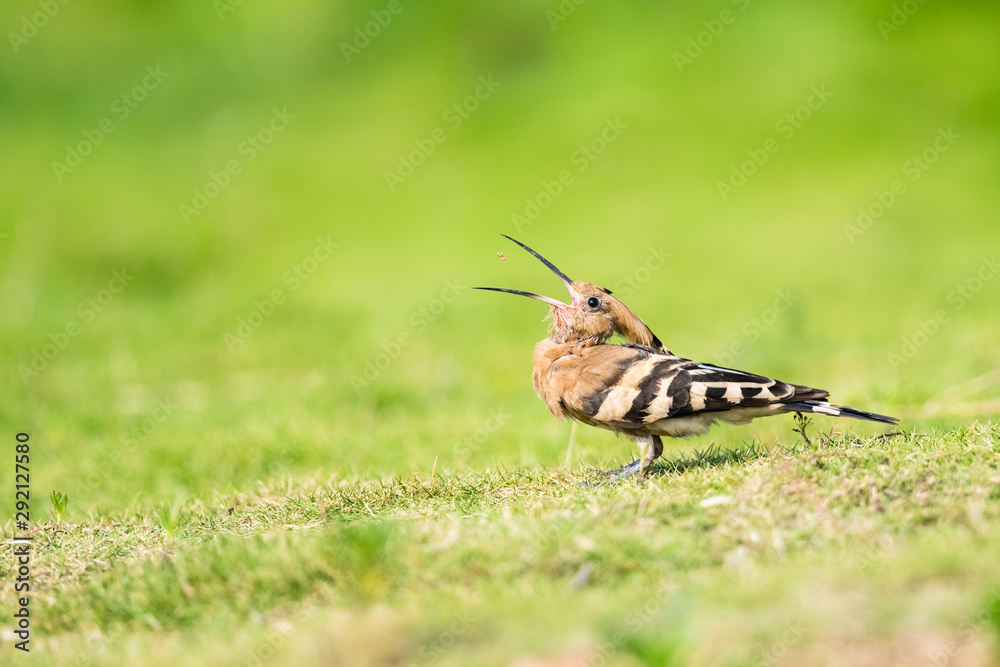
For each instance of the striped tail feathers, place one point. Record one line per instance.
(824, 408)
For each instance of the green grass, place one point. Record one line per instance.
(228, 500)
(852, 543)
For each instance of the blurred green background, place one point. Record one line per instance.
(151, 401)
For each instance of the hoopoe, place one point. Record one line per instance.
(641, 389)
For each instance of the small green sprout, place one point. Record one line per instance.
(59, 503)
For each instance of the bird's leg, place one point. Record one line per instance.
(624, 471)
(656, 453)
(650, 449)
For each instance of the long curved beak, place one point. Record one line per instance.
(552, 267)
(530, 295)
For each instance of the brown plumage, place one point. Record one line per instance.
(641, 389)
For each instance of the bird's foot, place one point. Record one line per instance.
(624, 471)
(620, 473)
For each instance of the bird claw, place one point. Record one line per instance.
(615, 475)
(624, 471)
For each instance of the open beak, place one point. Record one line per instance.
(562, 276)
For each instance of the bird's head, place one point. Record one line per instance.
(593, 314)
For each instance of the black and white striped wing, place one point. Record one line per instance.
(637, 386)
(629, 387)
(697, 388)
(711, 388)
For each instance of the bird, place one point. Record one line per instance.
(640, 389)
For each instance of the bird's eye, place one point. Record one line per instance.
(593, 302)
